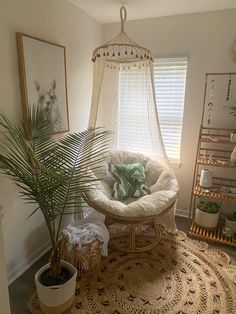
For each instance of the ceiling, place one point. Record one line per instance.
(107, 11)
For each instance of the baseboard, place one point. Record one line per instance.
(21, 268)
(181, 212)
(27, 263)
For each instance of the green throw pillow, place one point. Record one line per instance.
(129, 180)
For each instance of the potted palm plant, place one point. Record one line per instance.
(52, 174)
(207, 214)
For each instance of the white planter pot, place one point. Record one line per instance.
(56, 299)
(206, 220)
(206, 178)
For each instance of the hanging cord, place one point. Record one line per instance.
(123, 17)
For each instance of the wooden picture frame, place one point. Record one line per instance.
(42, 71)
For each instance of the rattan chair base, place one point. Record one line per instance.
(132, 245)
(133, 223)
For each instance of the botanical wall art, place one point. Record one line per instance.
(42, 68)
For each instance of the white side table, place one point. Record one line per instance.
(4, 295)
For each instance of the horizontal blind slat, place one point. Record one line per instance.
(169, 84)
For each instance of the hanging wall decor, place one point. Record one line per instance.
(220, 100)
(42, 69)
(210, 105)
(231, 106)
(228, 89)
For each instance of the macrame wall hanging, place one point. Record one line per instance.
(122, 62)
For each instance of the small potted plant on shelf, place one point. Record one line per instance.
(230, 222)
(207, 214)
(52, 174)
(233, 136)
(233, 157)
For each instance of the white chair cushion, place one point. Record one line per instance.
(159, 178)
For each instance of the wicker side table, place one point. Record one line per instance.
(85, 259)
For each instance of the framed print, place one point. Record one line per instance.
(42, 69)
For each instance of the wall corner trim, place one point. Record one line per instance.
(182, 212)
(27, 263)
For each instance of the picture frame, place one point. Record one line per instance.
(42, 72)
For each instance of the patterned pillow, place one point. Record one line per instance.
(129, 180)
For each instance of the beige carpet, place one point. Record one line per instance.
(179, 276)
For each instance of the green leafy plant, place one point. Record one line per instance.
(232, 108)
(51, 173)
(209, 207)
(232, 217)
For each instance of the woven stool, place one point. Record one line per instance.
(85, 259)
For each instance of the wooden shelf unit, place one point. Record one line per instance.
(215, 157)
(213, 151)
(215, 235)
(209, 156)
(216, 140)
(216, 163)
(214, 193)
(216, 135)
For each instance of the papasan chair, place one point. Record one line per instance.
(156, 208)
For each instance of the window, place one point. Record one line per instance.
(133, 117)
(135, 97)
(169, 81)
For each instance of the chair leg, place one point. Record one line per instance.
(107, 221)
(132, 248)
(132, 245)
(157, 232)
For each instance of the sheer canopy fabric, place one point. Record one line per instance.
(124, 95)
(124, 98)
(126, 88)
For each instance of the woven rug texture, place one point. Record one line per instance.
(179, 276)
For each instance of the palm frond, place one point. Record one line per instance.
(51, 173)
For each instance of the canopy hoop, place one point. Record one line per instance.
(122, 47)
(123, 17)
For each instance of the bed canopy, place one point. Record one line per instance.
(123, 82)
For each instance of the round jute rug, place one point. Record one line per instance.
(179, 276)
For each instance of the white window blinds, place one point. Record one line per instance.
(133, 109)
(169, 81)
(135, 118)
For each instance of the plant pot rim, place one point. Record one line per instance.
(207, 212)
(46, 266)
(233, 221)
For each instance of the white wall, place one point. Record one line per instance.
(206, 38)
(61, 22)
